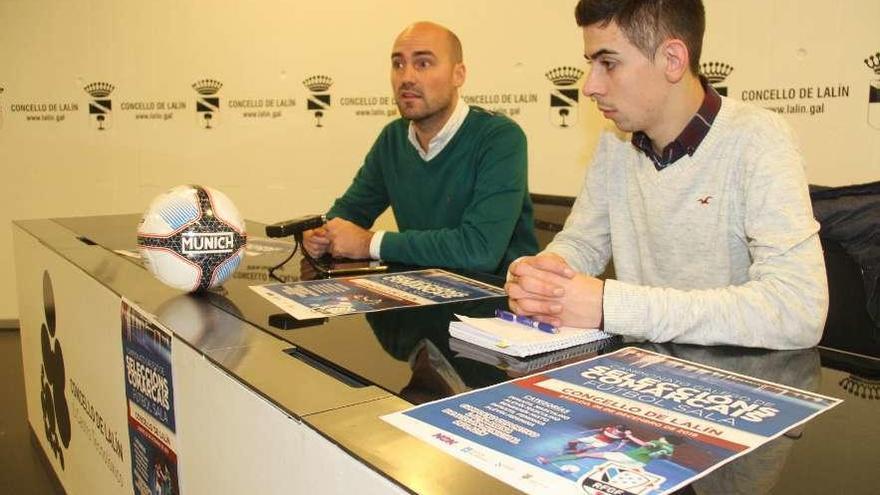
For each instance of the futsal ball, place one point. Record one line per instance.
(192, 238)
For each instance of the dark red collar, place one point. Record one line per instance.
(690, 138)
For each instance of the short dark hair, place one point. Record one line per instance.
(647, 23)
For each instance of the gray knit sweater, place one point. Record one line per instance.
(719, 248)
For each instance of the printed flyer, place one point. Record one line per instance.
(341, 296)
(629, 422)
(149, 388)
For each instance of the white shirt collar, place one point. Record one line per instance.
(438, 142)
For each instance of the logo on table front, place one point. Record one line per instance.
(319, 100)
(716, 73)
(101, 105)
(207, 103)
(873, 63)
(56, 414)
(564, 96)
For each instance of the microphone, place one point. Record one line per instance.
(296, 226)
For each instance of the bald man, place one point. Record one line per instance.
(455, 176)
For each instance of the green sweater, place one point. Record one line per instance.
(466, 208)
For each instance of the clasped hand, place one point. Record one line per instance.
(547, 289)
(340, 238)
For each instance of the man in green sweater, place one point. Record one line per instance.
(455, 176)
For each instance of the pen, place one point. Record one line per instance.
(522, 320)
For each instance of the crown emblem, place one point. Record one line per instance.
(318, 84)
(715, 72)
(207, 86)
(564, 76)
(99, 89)
(873, 63)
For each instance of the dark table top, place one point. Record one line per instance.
(409, 353)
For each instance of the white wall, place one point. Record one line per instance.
(282, 166)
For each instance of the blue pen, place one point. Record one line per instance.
(522, 320)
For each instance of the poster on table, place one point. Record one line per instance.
(149, 389)
(629, 422)
(341, 296)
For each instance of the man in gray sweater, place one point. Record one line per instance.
(701, 201)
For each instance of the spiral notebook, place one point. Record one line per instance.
(530, 364)
(519, 340)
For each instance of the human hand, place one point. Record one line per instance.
(534, 286)
(315, 242)
(537, 277)
(534, 274)
(547, 289)
(582, 302)
(348, 240)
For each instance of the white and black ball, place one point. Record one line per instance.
(192, 238)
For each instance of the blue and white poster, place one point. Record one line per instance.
(629, 422)
(367, 293)
(149, 388)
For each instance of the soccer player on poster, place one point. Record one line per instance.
(609, 438)
(646, 452)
